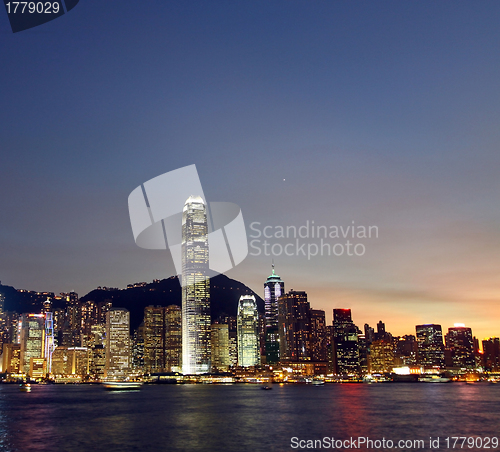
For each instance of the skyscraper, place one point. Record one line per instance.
(196, 353)
(274, 287)
(248, 332)
(381, 357)
(345, 343)
(154, 339)
(173, 338)
(220, 347)
(318, 335)
(491, 357)
(430, 345)
(460, 344)
(117, 344)
(32, 339)
(294, 317)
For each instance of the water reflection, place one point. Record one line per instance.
(237, 417)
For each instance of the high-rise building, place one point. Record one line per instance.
(11, 358)
(97, 362)
(345, 342)
(88, 320)
(369, 334)
(220, 347)
(406, 350)
(49, 339)
(232, 326)
(318, 335)
(430, 345)
(248, 332)
(70, 361)
(138, 349)
(381, 357)
(491, 354)
(173, 339)
(274, 287)
(32, 339)
(196, 353)
(117, 344)
(459, 342)
(154, 339)
(294, 320)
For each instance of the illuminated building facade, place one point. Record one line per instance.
(173, 338)
(220, 347)
(97, 362)
(11, 359)
(154, 339)
(70, 361)
(491, 354)
(32, 339)
(460, 344)
(49, 339)
(117, 344)
(345, 347)
(430, 345)
(274, 287)
(294, 320)
(406, 350)
(318, 335)
(196, 352)
(248, 332)
(381, 356)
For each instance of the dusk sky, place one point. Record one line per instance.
(378, 113)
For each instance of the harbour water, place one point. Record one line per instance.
(83, 418)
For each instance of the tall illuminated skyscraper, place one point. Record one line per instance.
(274, 287)
(196, 352)
(294, 316)
(117, 344)
(460, 344)
(248, 332)
(32, 339)
(430, 345)
(345, 342)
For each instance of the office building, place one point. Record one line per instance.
(173, 338)
(318, 336)
(274, 287)
(381, 356)
(248, 332)
(154, 339)
(460, 345)
(294, 320)
(430, 345)
(32, 339)
(117, 344)
(491, 354)
(196, 353)
(220, 347)
(345, 343)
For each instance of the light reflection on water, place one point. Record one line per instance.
(238, 417)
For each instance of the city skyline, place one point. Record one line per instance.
(383, 115)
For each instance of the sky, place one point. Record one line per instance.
(378, 113)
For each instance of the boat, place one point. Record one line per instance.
(318, 382)
(266, 388)
(25, 387)
(122, 385)
(434, 379)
